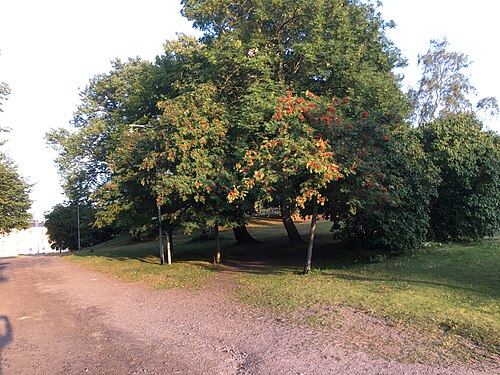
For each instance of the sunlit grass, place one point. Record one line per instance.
(448, 289)
(139, 262)
(451, 288)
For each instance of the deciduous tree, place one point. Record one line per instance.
(62, 227)
(14, 197)
(298, 161)
(468, 160)
(445, 87)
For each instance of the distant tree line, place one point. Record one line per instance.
(295, 107)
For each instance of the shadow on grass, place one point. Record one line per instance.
(466, 267)
(392, 280)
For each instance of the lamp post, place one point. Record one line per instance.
(158, 206)
(78, 224)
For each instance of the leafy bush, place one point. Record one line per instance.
(468, 160)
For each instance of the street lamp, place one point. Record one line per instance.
(158, 206)
(78, 223)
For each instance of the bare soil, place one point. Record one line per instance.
(58, 318)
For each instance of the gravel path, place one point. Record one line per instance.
(57, 318)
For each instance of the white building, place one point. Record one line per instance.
(25, 242)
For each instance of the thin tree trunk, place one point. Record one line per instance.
(291, 230)
(242, 236)
(160, 235)
(170, 243)
(307, 267)
(217, 245)
(170, 230)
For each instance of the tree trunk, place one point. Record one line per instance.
(170, 230)
(307, 267)
(242, 236)
(291, 229)
(170, 244)
(160, 235)
(217, 245)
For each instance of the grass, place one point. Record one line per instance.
(445, 289)
(453, 289)
(138, 262)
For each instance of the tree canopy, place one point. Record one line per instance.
(280, 104)
(14, 198)
(445, 87)
(14, 190)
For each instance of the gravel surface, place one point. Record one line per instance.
(58, 318)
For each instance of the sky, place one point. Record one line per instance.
(51, 48)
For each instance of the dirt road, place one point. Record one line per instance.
(57, 318)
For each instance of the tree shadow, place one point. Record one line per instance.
(402, 280)
(6, 335)
(3, 266)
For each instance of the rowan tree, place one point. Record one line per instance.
(192, 160)
(298, 161)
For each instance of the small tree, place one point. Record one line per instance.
(62, 227)
(192, 159)
(297, 162)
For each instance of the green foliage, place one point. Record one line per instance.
(126, 199)
(468, 160)
(14, 197)
(331, 47)
(445, 87)
(128, 94)
(62, 227)
(298, 161)
(193, 157)
(14, 190)
(383, 200)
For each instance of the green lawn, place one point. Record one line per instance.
(451, 289)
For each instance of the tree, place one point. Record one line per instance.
(109, 104)
(14, 190)
(14, 198)
(331, 47)
(468, 160)
(62, 227)
(298, 158)
(383, 201)
(445, 87)
(194, 147)
(260, 50)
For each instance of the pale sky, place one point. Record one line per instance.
(51, 48)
